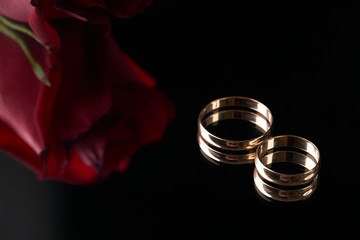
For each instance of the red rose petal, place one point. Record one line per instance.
(19, 90)
(78, 172)
(44, 31)
(13, 144)
(85, 93)
(124, 68)
(125, 8)
(18, 10)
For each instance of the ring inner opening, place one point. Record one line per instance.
(236, 124)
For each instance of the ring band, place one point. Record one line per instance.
(269, 192)
(233, 151)
(243, 108)
(287, 148)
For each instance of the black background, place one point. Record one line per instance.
(299, 59)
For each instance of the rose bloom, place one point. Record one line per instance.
(91, 10)
(98, 109)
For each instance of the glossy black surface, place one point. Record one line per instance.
(299, 59)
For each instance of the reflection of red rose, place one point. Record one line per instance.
(101, 106)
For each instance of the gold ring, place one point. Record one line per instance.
(289, 149)
(228, 150)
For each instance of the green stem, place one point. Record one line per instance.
(7, 28)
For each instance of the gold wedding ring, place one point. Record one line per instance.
(270, 182)
(282, 186)
(231, 151)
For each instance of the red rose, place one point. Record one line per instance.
(93, 10)
(101, 106)
(38, 13)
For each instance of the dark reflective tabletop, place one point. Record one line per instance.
(301, 61)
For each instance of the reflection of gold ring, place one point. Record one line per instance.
(269, 192)
(233, 151)
(289, 149)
